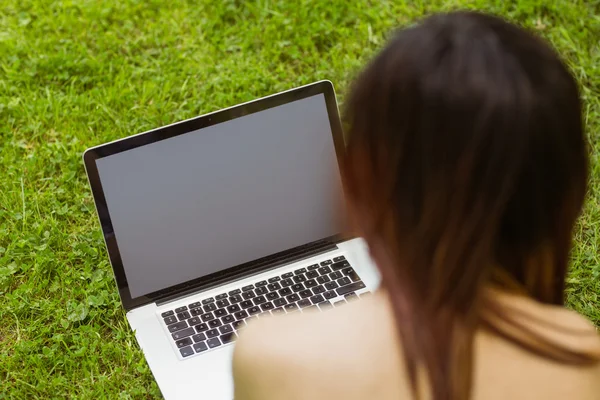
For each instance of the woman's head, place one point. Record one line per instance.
(466, 166)
(466, 153)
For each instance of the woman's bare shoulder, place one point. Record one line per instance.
(355, 341)
(547, 329)
(327, 330)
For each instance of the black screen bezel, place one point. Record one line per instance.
(91, 155)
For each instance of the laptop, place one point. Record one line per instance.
(216, 221)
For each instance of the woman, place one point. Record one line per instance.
(465, 171)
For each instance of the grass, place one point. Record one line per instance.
(78, 73)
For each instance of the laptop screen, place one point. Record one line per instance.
(204, 201)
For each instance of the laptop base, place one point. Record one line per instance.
(208, 375)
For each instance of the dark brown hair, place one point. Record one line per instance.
(467, 160)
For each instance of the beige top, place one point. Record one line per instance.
(353, 352)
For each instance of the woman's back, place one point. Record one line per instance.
(352, 352)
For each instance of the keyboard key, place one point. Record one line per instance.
(351, 273)
(261, 283)
(330, 295)
(246, 304)
(297, 287)
(285, 291)
(339, 303)
(317, 299)
(170, 320)
(312, 274)
(324, 270)
(210, 307)
(267, 306)
(312, 267)
(212, 333)
(340, 258)
(331, 285)
(234, 292)
(214, 342)
(261, 290)
(310, 283)
(199, 337)
(208, 301)
(277, 311)
(253, 310)
(291, 307)
(177, 326)
(272, 295)
(318, 289)
(350, 288)
(226, 329)
(274, 286)
(340, 265)
(200, 347)
(305, 293)
(228, 319)
(186, 351)
(183, 342)
(194, 305)
(326, 262)
(183, 315)
(274, 279)
(221, 296)
(241, 315)
(222, 303)
(292, 298)
(279, 302)
(233, 308)
(325, 305)
(344, 281)
(299, 278)
(287, 275)
(228, 337)
(248, 287)
(304, 303)
(181, 309)
(351, 296)
(201, 328)
(221, 312)
(193, 321)
(207, 317)
(248, 295)
(300, 271)
(183, 333)
(259, 300)
(239, 324)
(196, 311)
(236, 298)
(263, 314)
(167, 314)
(287, 282)
(335, 275)
(214, 323)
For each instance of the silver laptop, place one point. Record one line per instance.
(216, 221)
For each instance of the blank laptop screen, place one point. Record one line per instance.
(214, 198)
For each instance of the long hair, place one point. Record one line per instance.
(466, 152)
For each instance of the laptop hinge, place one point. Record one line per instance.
(255, 268)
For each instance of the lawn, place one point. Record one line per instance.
(78, 73)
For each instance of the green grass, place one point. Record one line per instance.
(78, 73)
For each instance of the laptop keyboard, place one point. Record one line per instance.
(213, 322)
